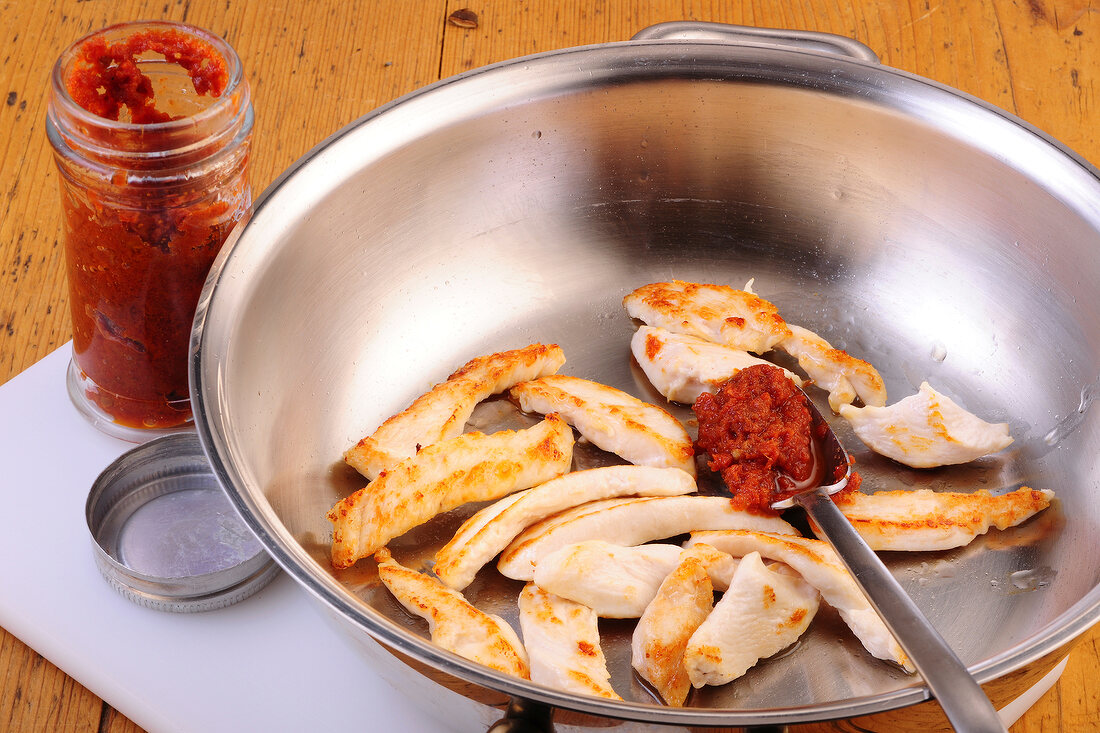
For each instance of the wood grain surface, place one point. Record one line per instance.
(315, 66)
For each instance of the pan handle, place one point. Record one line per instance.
(529, 716)
(525, 716)
(687, 30)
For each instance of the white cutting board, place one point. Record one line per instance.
(270, 663)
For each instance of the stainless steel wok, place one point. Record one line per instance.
(926, 231)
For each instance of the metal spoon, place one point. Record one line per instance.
(962, 699)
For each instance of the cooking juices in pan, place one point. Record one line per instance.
(150, 125)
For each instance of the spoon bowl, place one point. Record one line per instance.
(830, 461)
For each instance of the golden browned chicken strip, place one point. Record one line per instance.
(936, 520)
(762, 613)
(489, 531)
(819, 566)
(442, 412)
(925, 430)
(563, 643)
(683, 601)
(453, 622)
(627, 522)
(613, 420)
(718, 313)
(471, 467)
(620, 581)
(837, 372)
(683, 367)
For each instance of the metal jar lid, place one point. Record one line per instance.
(166, 535)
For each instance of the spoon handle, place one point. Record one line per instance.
(962, 699)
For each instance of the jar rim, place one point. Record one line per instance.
(234, 70)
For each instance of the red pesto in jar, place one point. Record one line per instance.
(755, 427)
(144, 253)
(106, 79)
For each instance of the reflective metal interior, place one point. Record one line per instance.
(927, 232)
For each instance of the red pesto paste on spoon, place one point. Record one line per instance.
(758, 431)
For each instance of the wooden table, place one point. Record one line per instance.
(315, 66)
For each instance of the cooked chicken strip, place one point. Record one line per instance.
(489, 531)
(618, 581)
(762, 613)
(926, 429)
(682, 602)
(843, 376)
(931, 520)
(683, 367)
(628, 522)
(819, 566)
(526, 566)
(469, 530)
(442, 412)
(619, 423)
(717, 313)
(454, 624)
(563, 642)
(471, 467)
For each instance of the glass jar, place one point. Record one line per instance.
(150, 124)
